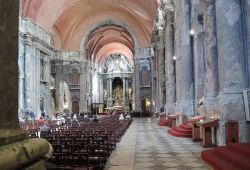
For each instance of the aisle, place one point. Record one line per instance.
(147, 146)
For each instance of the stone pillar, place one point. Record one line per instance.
(21, 153)
(83, 88)
(21, 79)
(124, 90)
(153, 89)
(59, 87)
(110, 88)
(170, 63)
(161, 69)
(211, 61)
(232, 70)
(212, 83)
(246, 7)
(110, 97)
(184, 62)
(137, 100)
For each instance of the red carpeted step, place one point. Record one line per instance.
(232, 157)
(179, 134)
(182, 130)
(217, 162)
(241, 148)
(163, 123)
(186, 127)
(241, 161)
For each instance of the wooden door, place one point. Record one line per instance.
(75, 107)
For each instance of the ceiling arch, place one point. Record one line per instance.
(73, 18)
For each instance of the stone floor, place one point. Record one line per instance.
(146, 146)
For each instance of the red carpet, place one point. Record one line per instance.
(235, 156)
(184, 131)
(163, 123)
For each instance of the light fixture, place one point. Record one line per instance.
(174, 58)
(192, 32)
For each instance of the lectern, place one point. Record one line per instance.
(207, 133)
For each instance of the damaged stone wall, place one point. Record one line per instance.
(34, 69)
(206, 56)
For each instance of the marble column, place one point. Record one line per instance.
(124, 90)
(232, 70)
(110, 97)
(170, 63)
(21, 153)
(161, 70)
(184, 62)
(153, 88)
(83, 87)
(136, 89)
(211, 82)
(211, 61)
(59, 87)
(246, 8)
(110, 88)
(21, 78)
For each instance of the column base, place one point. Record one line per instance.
(185, 109)
(8, 136)
(231, 107)
(26, 154)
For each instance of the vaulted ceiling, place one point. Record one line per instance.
(76, 23)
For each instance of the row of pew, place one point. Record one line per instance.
(86, 145)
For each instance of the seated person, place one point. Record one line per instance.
(44, 128)
(128, 117)
(95, 120)
(121, 117)
(86, 118)
(62, 120)
(41, 121)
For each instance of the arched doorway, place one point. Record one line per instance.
(145, 107)
(75, 106)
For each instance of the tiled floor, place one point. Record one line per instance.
(148, 146)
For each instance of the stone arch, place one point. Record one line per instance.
(102, 24)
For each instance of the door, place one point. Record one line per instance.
(75, 107)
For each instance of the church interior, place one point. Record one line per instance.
(125, 84)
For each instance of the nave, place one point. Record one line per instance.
(146, 146)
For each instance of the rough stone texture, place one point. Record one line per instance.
(170, 63)
(35, 47)
(15, 152)
(246, 7)
(183, 51)
(197, 25)
(232, 75)
(20, 154)
(9, 65)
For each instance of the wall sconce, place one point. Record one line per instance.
(192, 32)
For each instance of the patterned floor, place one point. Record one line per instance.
(155, 149)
